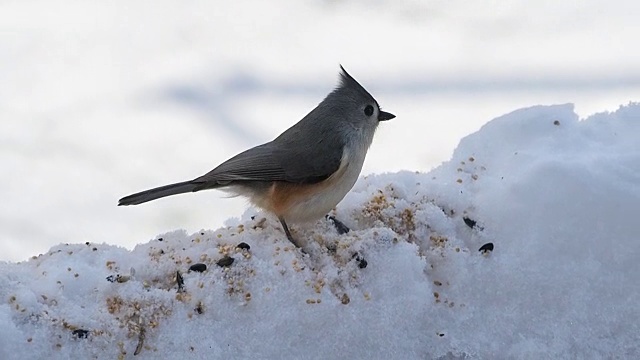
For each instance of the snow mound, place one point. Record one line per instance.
(556, 196)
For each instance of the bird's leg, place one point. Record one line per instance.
(287, 232)
(343, 229)
(339, 225)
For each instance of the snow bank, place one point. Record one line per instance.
(558, 198)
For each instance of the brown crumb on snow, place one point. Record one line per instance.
(345, 299)
(438, 240)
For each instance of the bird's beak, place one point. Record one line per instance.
(383, 116)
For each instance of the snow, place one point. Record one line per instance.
(557, 196)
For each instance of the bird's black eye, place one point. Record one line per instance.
(368, 110)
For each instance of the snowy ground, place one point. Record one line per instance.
(102, 99)
(557, 197)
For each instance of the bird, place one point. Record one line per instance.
(307, 170)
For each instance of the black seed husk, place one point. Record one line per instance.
(199, 267)
(243, 246)
(470, 223)
(180, 281)
(80, 333)
(225, 261)
(486, 247)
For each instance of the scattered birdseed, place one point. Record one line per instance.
(80, 333)
(199, 267)
(243, 246)
(199, 308)
(362, 263)
(123, 278)
(225, 261)
(260, 223)
(470, 223)
(140, 342)
(345, 299)
(486, 248)
(180, 282)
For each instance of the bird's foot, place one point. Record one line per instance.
(339, 225)
(289, 237)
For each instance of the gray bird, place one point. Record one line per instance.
(306, 171)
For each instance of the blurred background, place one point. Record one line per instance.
(102, 99)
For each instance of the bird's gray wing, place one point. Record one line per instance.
(275, 162)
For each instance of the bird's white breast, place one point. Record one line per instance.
(334, 189)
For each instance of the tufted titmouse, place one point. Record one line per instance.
(306, 171)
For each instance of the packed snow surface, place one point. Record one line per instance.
(558, 197)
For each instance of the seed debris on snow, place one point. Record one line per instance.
(225, 261)
(180, 281)
(138, 317)
(469, 222)
(199, 267)
(80, 333)
(486, 248)
(243, 246)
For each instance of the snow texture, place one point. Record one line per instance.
(557, 196)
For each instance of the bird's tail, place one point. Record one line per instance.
(162, 191)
